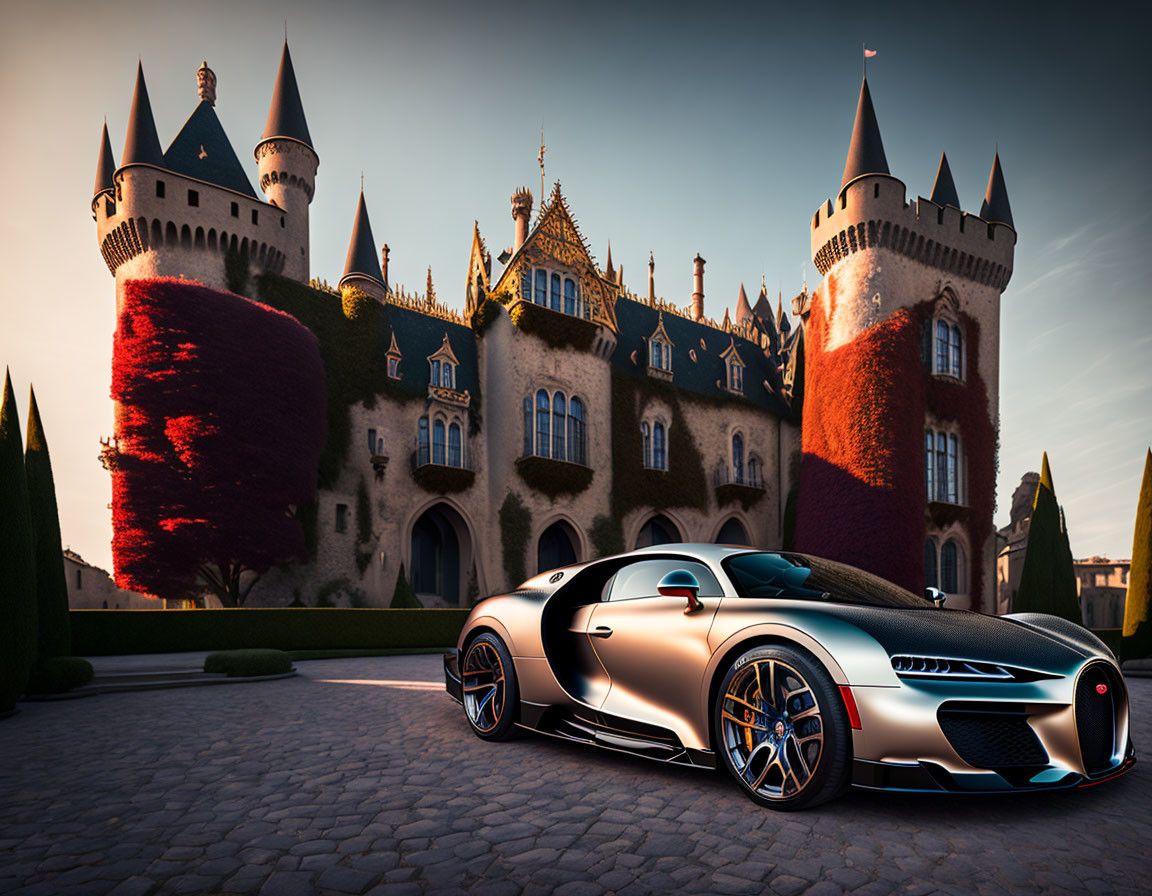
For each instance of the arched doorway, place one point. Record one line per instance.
(557, 547)
(658, 530)
(440, 551)
(733, 532)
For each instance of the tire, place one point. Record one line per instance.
(793, 751)
(491, 695)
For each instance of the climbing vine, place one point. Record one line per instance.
(553, 477)
(556, 329)
(515, 530)
(607, 535)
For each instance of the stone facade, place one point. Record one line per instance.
(91, 588)
(1102, 586)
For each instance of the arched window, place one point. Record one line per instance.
(435, 373)
(949, 349)
(577, 447)
(555, 299)
(438, 442)
(569, 296)
(527, 425)
(543, 416)
(930, 465)
(754, 476)
(949, 567)
(738, 458)
(735, 376)
(659, 455)
(733, 532)
(657, 354)
(646, 438)
(559, 412)
(540, 297)
(943, 341)
(423, 455)
(455, 454)
(930, 576)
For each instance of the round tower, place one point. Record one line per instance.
(902, 352)
(287, 164)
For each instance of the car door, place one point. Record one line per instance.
(653, 652)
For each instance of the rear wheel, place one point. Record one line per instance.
(491, 694)
(782, 729)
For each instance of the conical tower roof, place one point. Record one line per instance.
(608, 269)
(202, 150)
(142, 145)
(361, 259)
(105, 166)
(996, 209)
(866, 151)
(743, 309)
(286, 116)
(944, 190)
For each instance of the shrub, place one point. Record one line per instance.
(56, 674)
(1048, 579)
(248, 663)
(404, 598)
(484, 316)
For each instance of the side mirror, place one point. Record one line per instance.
(681, 583)
(935, 595)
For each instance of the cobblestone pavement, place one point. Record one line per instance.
(350, 780)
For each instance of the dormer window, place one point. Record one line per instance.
(734, 367)
(442, 372)
(661, 357)
(660, 351)
(557, 291)
(394, 359)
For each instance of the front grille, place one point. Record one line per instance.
(992, 738)
(1096, 716)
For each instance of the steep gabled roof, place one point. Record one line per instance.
(105, 166)
(141, 143)
(202, 150)
(286, 115)
(996, 209)
(944, 190)
(361, 260)
(477, 269)
(762, 312)
(743, 309)
(423, 336)
(866, 151)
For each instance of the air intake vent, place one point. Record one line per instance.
(1096, 692)
(945, 667)
(992, 738)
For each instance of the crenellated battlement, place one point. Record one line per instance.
(871, 213)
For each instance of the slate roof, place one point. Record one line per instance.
(420, 335)
(944, 190)
(141, 143)
(996, 208)
(866, 151)
(202, 150)
(286, 115)
(362, 258)
(106, 166)
(637, 321)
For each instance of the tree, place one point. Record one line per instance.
(1048, 580)
(55, 636)
(1137, 633)
(404, 598)
(219, 427)
(17, 569)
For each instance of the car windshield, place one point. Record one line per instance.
(811, 578)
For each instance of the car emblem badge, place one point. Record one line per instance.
(556, 577)
(1101, 689)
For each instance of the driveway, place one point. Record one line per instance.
(361, 776)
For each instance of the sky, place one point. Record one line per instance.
(716, 128)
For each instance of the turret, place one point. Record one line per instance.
(361, 270)
(866, 151)
(698, 287)
(521, 212)
(996, 209)
(105, 168)
(141, 145)
(743, 309)
(287, 164)
(944, 190)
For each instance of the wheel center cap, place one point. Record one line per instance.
(779, 729)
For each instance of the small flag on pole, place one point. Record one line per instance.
(868, 54)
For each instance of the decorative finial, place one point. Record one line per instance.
(206, 83)
(543, 149)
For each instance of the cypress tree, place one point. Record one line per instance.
(1048, 580)
(55, 636)
(1137, 632)
(17, 569)
(404, 598)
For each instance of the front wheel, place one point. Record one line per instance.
(782, 729)
(491, 694)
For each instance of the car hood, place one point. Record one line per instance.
(963, 635)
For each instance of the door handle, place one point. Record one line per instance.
(601, 631)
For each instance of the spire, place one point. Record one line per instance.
(286, 116)
(105, 166)
(944, 190)
(866, 151)
(609, 271)
(996, 209)
(1045, 481)
(783, 325)
(142, 145)
(743, 309)
(361, 259)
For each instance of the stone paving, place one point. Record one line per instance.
(353, 778)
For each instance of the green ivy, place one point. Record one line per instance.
(363, 527)
(485, 315)
(515, 530)
(553, 477)
(441, 479)
(607, 535)
(558, 330)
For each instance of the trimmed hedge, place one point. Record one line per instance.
(112, 632)
(248, 663)
(57, 674)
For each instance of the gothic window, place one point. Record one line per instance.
(555, 297)
(953, 484)
(569, 296)
(422, 451)
(949, 350)
(738, 459)
(559, 412)
(930, 464)
(955, 355)
(455, 454)
(447, 375)
(735, 375)
(930, 577)
(943, 462)
(438, 442)
(657, 354)
(659, 451)
(941, 467)
(577, 445)
(540, 296)
(543, 430)
(950, 567)
(435, 373)
(527, 425)
(646, 439)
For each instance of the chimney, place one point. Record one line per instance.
(384, 264)
(651, 279)
(698, 287)
(206, 83)
(521, 212)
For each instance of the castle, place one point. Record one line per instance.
(562, 415)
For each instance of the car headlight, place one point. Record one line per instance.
(953, 669)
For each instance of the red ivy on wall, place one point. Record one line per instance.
(862, 497)
(219, 427)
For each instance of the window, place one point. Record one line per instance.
(438, 442)
(949, 568)
(394, 368)
(423, 455)
(447, 375)
(159, 189)
(943, 461)
(658, 354)
(540, 297)
(577, 447)
(1123, 575)
(646, 439)
(543, 418)
(941, 467)
(194, 198)
(255, 216)
(659, 454)
(435, 373)
(930, 574)
(455, 453)
(738, 459)
(235, 209)
(735, 376)
(754, 476)
(640, 579)
(930, 465)
(371, 441)
(341, 517)
(569, 296)
(559, 412)
(953, 484)
(555, 296)
(954, 367)
(527, 426)
(1101, 580)
(949, 350)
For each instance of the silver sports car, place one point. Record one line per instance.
(799, 675)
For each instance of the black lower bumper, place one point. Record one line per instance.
(453, 684)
